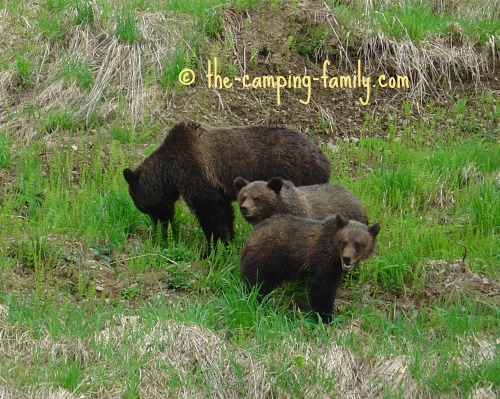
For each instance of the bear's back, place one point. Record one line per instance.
(326, 199)
(291, 247)
(253, 152)
(287, 235)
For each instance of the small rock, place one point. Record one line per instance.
(455, 266)
(332, 147)
(4, 311)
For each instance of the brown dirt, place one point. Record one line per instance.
(74, 272)
(331, 113)
(444, 282)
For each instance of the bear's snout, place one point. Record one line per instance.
(346, 260)
(347, 263)
(244, 210)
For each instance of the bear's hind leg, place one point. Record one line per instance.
(262, 277)
(215, 215)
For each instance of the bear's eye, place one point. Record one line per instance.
(357, 245)
(256, 199)
(344, 243)
(244, 198)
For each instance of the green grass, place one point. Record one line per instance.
(84, 13)
(59, 120)
(418, 20)
(126, 30)
(433, 199)
(419, 189)
(199, 9)
(23, 67)
(75, 70)
(5, 158)
(174, 64)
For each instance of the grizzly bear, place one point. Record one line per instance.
(286, 247)
(259, 200)
(200, 164)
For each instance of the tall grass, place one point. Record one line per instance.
(432, 202)
(126, 30)
(418, 20)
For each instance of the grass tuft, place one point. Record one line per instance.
(77, 71)
(126, 30)
(84, 13)
(5, 151)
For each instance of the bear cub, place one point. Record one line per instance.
(259, 200)
(285, 248)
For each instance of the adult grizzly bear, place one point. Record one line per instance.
(259, 200)
(200, 164)
(286, 247)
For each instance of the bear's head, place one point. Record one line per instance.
(258, 200)
(354, 240)
(149, 196)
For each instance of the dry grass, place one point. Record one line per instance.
(42, 393)
(472, 10)
(200, 359)
(118, 69)
(120, 66)
(433, 61)
(125, 85)
(189, 349)
(425, 64)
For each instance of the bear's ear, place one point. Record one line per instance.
(275, 184)
(130, 176)
(341, 220)
(239, 183)
(374, 229)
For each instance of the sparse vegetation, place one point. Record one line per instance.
(78, 72)
(94, 302)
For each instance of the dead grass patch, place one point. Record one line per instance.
(120, 87)
(191, 351)
(432, 66)
(185, 360)
(445, 279)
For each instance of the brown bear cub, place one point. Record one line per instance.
(286, 247)
(259, 200)
(200, 164)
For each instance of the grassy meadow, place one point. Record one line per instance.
(94, 303)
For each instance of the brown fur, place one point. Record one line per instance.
(201, 163)
(260, 200)
(286, 247)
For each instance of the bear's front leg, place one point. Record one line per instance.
(323, 290)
